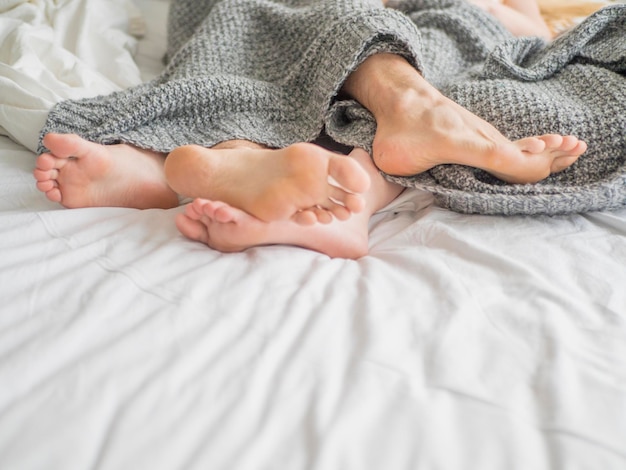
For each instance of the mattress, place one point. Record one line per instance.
(460, 341)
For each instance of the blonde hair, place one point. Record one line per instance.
(563, 14)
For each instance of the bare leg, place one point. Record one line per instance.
(290, 183)
(521, 17)
(79, 173)
(419, 128)
(225, 228)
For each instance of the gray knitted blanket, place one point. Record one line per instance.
(270, 72)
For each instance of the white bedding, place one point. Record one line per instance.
(461, 342)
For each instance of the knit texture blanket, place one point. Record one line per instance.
(271, 71)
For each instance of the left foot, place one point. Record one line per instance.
(452, 135)
(78, 173)
(419, 128)
(228, 229)
(540, 157)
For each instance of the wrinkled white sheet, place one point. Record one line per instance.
(461, 342)
(52, 50)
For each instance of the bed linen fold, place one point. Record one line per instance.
(51, 51)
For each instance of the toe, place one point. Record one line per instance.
(569, 143)
(46, 162)
(560, 164)
(552, 141)
(66, 145)
(305, 217)
(347, 201)
(581, 147)
(323, 216)
(45, 175)
(531, 144)
(224, 213)
(192, 228)
(348, 174)
(335, 208)
(195, 209)
(354, 203)
(54, 195)
(45, 186)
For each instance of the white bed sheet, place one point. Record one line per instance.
(459, 342)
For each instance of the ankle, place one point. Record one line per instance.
(386, 83)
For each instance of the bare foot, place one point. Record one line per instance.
(78, 173)
(451, 134)
(303, 182)
(419, 128)
(520, 17)
(228, 229)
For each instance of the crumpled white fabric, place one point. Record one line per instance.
(51, 50)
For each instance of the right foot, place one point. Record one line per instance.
(293, 183)
(449, 134)
(419, 128)
(78, 173)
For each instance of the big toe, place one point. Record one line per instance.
(66, 145)
(560, 164)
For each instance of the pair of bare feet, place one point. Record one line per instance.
(247, 195)
(302, 195)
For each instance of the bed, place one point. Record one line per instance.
(459, 342)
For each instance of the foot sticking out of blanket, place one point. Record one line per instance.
(78, 173)
(303, 182)
(228, 229)
(419, 128)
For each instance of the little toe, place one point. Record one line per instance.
(313, 215)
